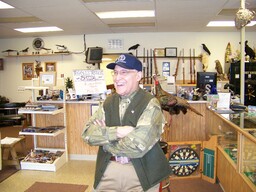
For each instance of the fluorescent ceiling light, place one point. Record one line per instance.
(125, 14)
(38, 29)
(252, 23)
(106, 59)
(227, 24)
(5, 6)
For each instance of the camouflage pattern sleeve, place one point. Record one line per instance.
(98, 135)
(147, 132)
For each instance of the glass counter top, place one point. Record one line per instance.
(242, 120)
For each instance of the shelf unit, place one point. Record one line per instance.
(42, 118)
(38, 55)
(160, 57)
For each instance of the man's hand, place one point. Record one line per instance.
(123, 131)
(99, 122)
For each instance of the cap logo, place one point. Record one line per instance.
(121, 59)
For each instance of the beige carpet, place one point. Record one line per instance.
(56, 187)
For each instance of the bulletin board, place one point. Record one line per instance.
(89, 82)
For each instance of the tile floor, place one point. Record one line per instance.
(78, 172)
(74, 172)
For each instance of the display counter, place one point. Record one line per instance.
(236, 158)
(78, 113)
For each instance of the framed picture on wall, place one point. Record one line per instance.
(47, 79)
(50, 66)
(27, 71)
(159, 52)
(171, 52)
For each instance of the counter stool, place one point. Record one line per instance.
(9, 152)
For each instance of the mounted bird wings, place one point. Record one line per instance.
(170, 103)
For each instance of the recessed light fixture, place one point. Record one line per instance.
(5, 6)
(227, 24)
(125, 14)
(106, 59)
(38, 29)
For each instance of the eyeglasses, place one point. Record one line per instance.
(122, 73)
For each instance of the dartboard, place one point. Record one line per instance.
(184, 161)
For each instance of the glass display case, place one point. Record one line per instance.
(243, 120)
(227, 138)
(248, 159)
(237, 141)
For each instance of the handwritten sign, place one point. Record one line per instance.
(89, 82)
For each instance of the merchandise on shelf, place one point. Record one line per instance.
(41, 156)
(48, 129)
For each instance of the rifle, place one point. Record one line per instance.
(147, 67)
(155, 64)
(144, 68)
(151, 63)
(194, 62)
(183, 68)
(177, 67)
(190, 62)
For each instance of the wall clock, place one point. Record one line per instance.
(38, 43)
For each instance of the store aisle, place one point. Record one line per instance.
(82, 172)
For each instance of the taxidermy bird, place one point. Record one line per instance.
(205, 61)
(206, 49)
(61, 47)
(220, 74)
(228, 53)
(25, 50)
(229, 86)
(218, 67)
(171, 103)
(249, 51)
(134, 47)
(9, 50)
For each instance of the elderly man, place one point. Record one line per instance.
(127, 128)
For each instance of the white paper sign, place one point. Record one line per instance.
(89, 82)
(224, 101)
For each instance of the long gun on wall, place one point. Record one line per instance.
(194, 63)
(183, 67)
(151, 63)
(191, 70)
(144, 68)
(147, 67)
(177, 67)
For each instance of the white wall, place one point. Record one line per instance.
(11, 76)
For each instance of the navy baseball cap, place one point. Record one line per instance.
(126, 61)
